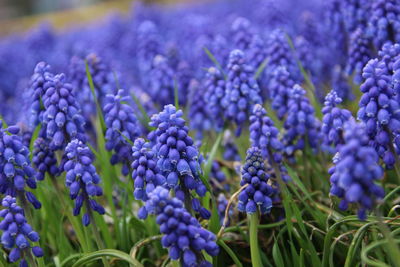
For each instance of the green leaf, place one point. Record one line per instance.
(277, 256)
(97, 255)
(230, 252)
(261, 68)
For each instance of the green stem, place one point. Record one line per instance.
(29, 258)
(254, 249)
(99, 241)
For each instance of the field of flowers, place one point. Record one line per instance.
(221, 133)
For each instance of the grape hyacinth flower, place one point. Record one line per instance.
(333, 120)
(160, 81)
(41, 80)
(241, 90)
(82, 180)
(44, 159)
(222, 203)
(218, 179)
(214, 92)
(389, 54)
(183, 235)
(62, 120)
(301, 124)
(122, 128)
(178, 158)
(358, 55)
(231, 152)
(146, 174)
(379, 109)
(199, 114)
(280, 54)
(356, 170)
(257, 195)
(17, 233)
(355, 13)
(257, 52)
(384, 22)
(264, 134)
(242, 33)
(103, 82)
(15, 169)
(279, 89)
(148, 45)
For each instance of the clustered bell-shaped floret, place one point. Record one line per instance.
(44, 159)
(122, 127)
(148, 45)
(215, 90)
(82, 179)
(160, 82)
(280, 54)
(358, 55)
(379, 109)
(102, 77)
(62, 120)
(384, 22)
(146, 175)
(280, 85)
(199, 114)
(333, 119)
(242, 33)
(356, 170)
(301, 125)
(15, 168)
(264, 134)
(241, 90)
(41, 79)
(257, 53)
(178, 158)
(183, 235)
(257, 195)
(17, 233)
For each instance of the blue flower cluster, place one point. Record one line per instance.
(257, 195)
(15, 168)
(62, 120)
(182, 234)
(379, 109)
(264, 134)
(17, 233)
(199, 114)
(102, 77)
(333, 120)
(231, 152)
(359, 54)
(146, 174)
(257, 53)
(217, 178)
(40, 81)
(178, 158)
(302, 127)
(241, 90)
(384, 23)
(280, 85)
(356, 170)
(44, 159)
(241, 33)
(82, 179)
(214, 93)
(161, 81)
(122, 128)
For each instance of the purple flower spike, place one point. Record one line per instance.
(258, 193)
(82, 179)
(182, 234)
(17, 235)
(356, 170)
